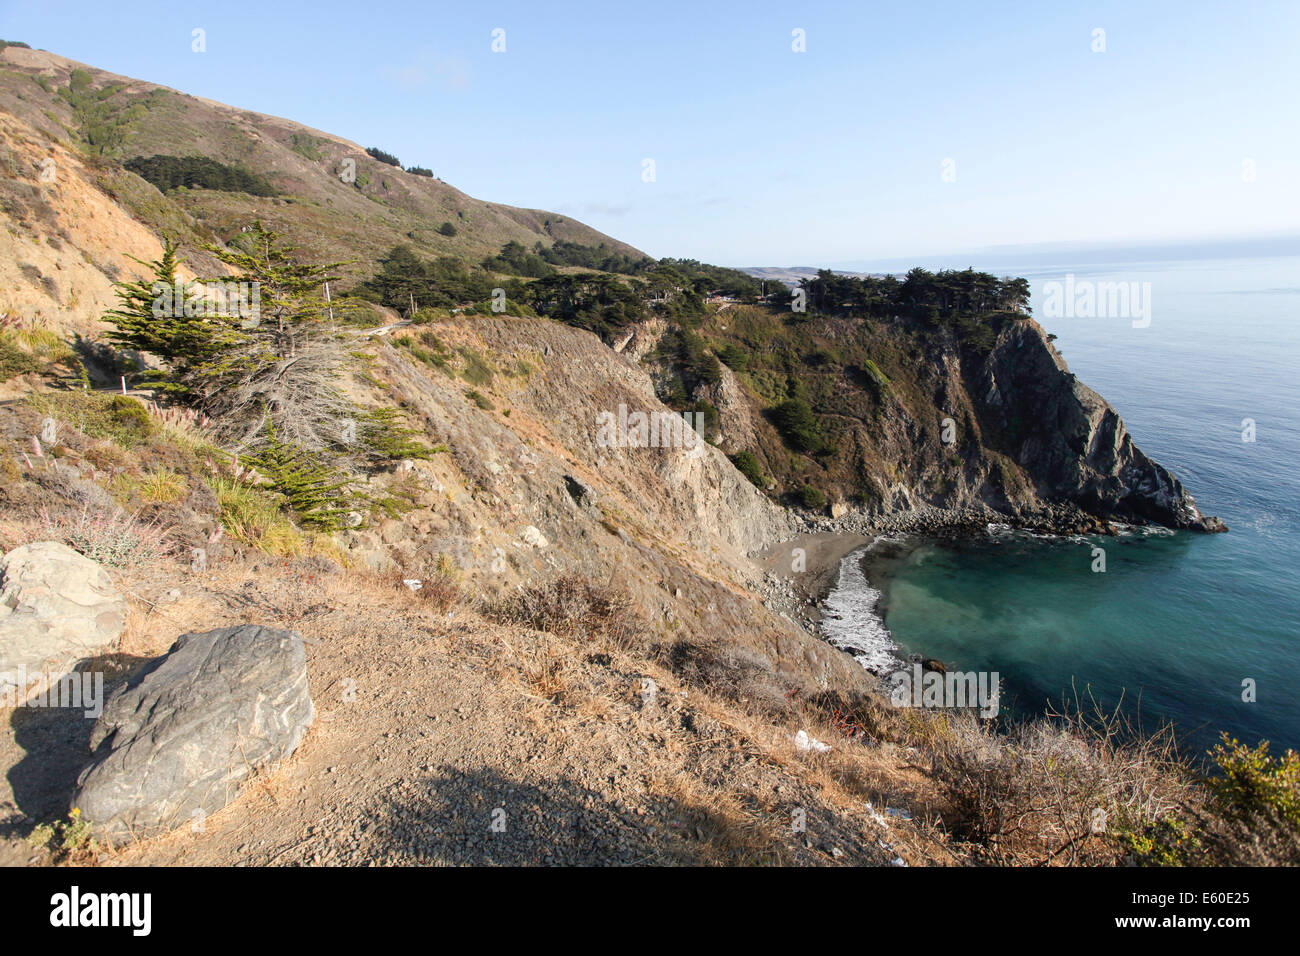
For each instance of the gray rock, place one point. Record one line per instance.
(57, 607)
(178, 740)
(580, 491)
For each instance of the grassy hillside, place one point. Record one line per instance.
(321, 206)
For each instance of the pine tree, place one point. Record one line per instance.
(290, 293)
(287, 360)
(156, 315)
(315, 490)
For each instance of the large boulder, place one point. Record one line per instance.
(57, 608)
(176, 742)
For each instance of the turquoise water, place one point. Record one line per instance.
(1175, 621)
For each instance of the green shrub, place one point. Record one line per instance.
(1251, 816)
(810, 497)
(387, 439)
(795, 421)
(129, 420)
(15, 361)
(481, 400)
(877, 376)
(171, 172)
(317, 492)
(748, 466)
(306, 145)
(1256, 784)
(734, 357)
(255, 517)
(68, 841)
(476, 371)
(377, 153)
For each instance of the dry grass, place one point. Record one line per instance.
(1062, 789)
(573, 607)
(432, 581)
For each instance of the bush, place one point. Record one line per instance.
(68, 841)
(109, 536)
(32, 350)
(129, 421)
(420, 171)
(447, 229)
(316, 491)
(1257, 785)
(387, 439)
(255, 517)
(15, 361)
(1248, 814)
(734, 357)
(476, 371)
(306, 145)
(435, 355)
(572, 606)
(118, 418)
(170, 172)
(748, 466)
(438, 586)
(810, 497)
(158, 486)
(795, 421)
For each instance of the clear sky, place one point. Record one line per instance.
(1185, 126)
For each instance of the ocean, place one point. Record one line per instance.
(1200, 630)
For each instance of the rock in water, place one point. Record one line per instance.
(57, 607)
(175, 743)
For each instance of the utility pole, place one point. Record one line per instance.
(329, 301)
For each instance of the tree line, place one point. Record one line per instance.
(169, 172)
(919, 294)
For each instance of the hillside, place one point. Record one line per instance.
(499, 600)
(109, 120)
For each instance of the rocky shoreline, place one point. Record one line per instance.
(799, 573)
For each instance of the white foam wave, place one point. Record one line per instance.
(850, 621)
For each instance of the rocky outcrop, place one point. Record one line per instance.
(1069, 441)
(639, 339)
(735, 426)
(950, 415)
(57, 608)
(175, 743)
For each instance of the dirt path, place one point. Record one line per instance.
(453, 739)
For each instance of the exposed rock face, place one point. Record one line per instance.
(638, 340)
(922, 414)
(1070, 441)
(672, 527)
(180, 738)
(57, 607)
(735, 426)
(581, 492)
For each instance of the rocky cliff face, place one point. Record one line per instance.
(1069, 441)
(916, 415)
(530, 489)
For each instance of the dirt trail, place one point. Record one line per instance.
(449, 739)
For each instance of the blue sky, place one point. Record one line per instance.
(764, 156)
